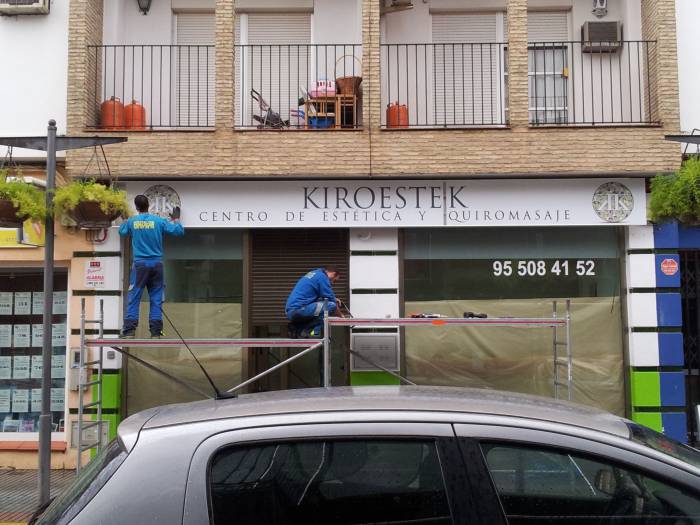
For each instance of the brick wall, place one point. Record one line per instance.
(519, 150)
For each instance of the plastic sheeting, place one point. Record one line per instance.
(146, 388)
(521, 359)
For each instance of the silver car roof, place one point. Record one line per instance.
(384, 398)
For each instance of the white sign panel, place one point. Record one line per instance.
(95, 273)
(21, 336)
(37, 303)
(37, 366)
(5, 335)
(5, 367)
(5, 399)
(36, 399)
(20, 400)
(414, 203)
(37, 335)
(23, 303)
(60, 302)
(57, 400)
(58, 367)
(5, 303)
(58, 334)
(20, 367)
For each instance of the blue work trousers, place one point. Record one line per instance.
(146, 275)
(310, 317)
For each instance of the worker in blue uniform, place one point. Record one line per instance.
(146, 232)
(304, 306)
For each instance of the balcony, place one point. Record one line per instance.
(298, 86)
(146, 87)
(590, 84)
(445, 85)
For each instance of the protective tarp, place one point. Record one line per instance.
(146, 388)
(521, 359)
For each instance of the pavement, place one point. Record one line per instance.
(19, 494)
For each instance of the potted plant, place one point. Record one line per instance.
(89, 204)
(677, 196)
(19, 201)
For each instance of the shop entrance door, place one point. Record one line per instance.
(278, 259)
(690, 296)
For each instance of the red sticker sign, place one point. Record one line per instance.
(669, 267)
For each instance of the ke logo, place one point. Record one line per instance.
(613, 202)
(669, 267)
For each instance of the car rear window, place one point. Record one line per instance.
(661, 443)
(339, 482)
(92, 478)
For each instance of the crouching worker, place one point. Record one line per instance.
(146, 232)
(305, 304)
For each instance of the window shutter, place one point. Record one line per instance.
(276, 62)
(466, 79)
(195, 69)
(548, 26)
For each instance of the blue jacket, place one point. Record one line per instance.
(147, 235)
(314, 286)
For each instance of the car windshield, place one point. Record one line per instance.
(668, 446)
(93, 477)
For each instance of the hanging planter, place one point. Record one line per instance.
(677, 196)
(90, 205)
(19, 201)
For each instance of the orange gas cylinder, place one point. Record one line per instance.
(135, 116)
(112, 113)
(397, 115)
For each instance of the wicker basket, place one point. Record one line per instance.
(8, 215)
(349, 85)
(88, 215)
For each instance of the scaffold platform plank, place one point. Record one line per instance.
(439, 321)
(247, 343)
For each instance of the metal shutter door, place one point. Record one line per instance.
(547, 26)
(465, 78)
(195, 69)
(276, 61)
(281, 257)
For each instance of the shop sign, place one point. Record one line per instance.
(94, 274)
(669, 267)
(407, 203)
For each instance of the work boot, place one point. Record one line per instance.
(128, 333)
(157, 335)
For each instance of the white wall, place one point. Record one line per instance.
(687, 18)
(34, 69)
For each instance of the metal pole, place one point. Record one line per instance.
(81, 367)
(326, 347)
(570, 367)
(555, 352)
(99, 376)
(45, 417)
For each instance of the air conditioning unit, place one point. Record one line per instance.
(25, 7)
(601, 37)
(401, 3)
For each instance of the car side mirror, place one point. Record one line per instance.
(605, 482)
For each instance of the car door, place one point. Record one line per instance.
(329, 473)
(552, 478)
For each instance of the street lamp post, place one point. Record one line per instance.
(50, 144)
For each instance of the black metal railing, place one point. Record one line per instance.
(152, 86)
(583, 83)
(451, 85)
(298, 86)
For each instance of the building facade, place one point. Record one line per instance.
(492, 160)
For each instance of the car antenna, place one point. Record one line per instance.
(219, 393)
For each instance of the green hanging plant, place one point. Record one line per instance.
(28, 201)
(112, 202)
(677, 196)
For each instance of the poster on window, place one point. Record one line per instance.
(37, 303)
(60, 302)
(37, 335)
(5, 367)
(26, 425)
(57, 399)
(5, 335)
(21, 336)
(58, 334)
(36, 399)
(37, 366)
(23, 303)
(5, 303)
(20, 367)
(5, 400)
(20, 400)
(58, 367)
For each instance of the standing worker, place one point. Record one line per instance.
(146, 232)
(304, 307)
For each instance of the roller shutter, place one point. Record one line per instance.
(280, 257)
(548, 26)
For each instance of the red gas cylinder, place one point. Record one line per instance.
(135, 116)
(112, 113)
(397, 115)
